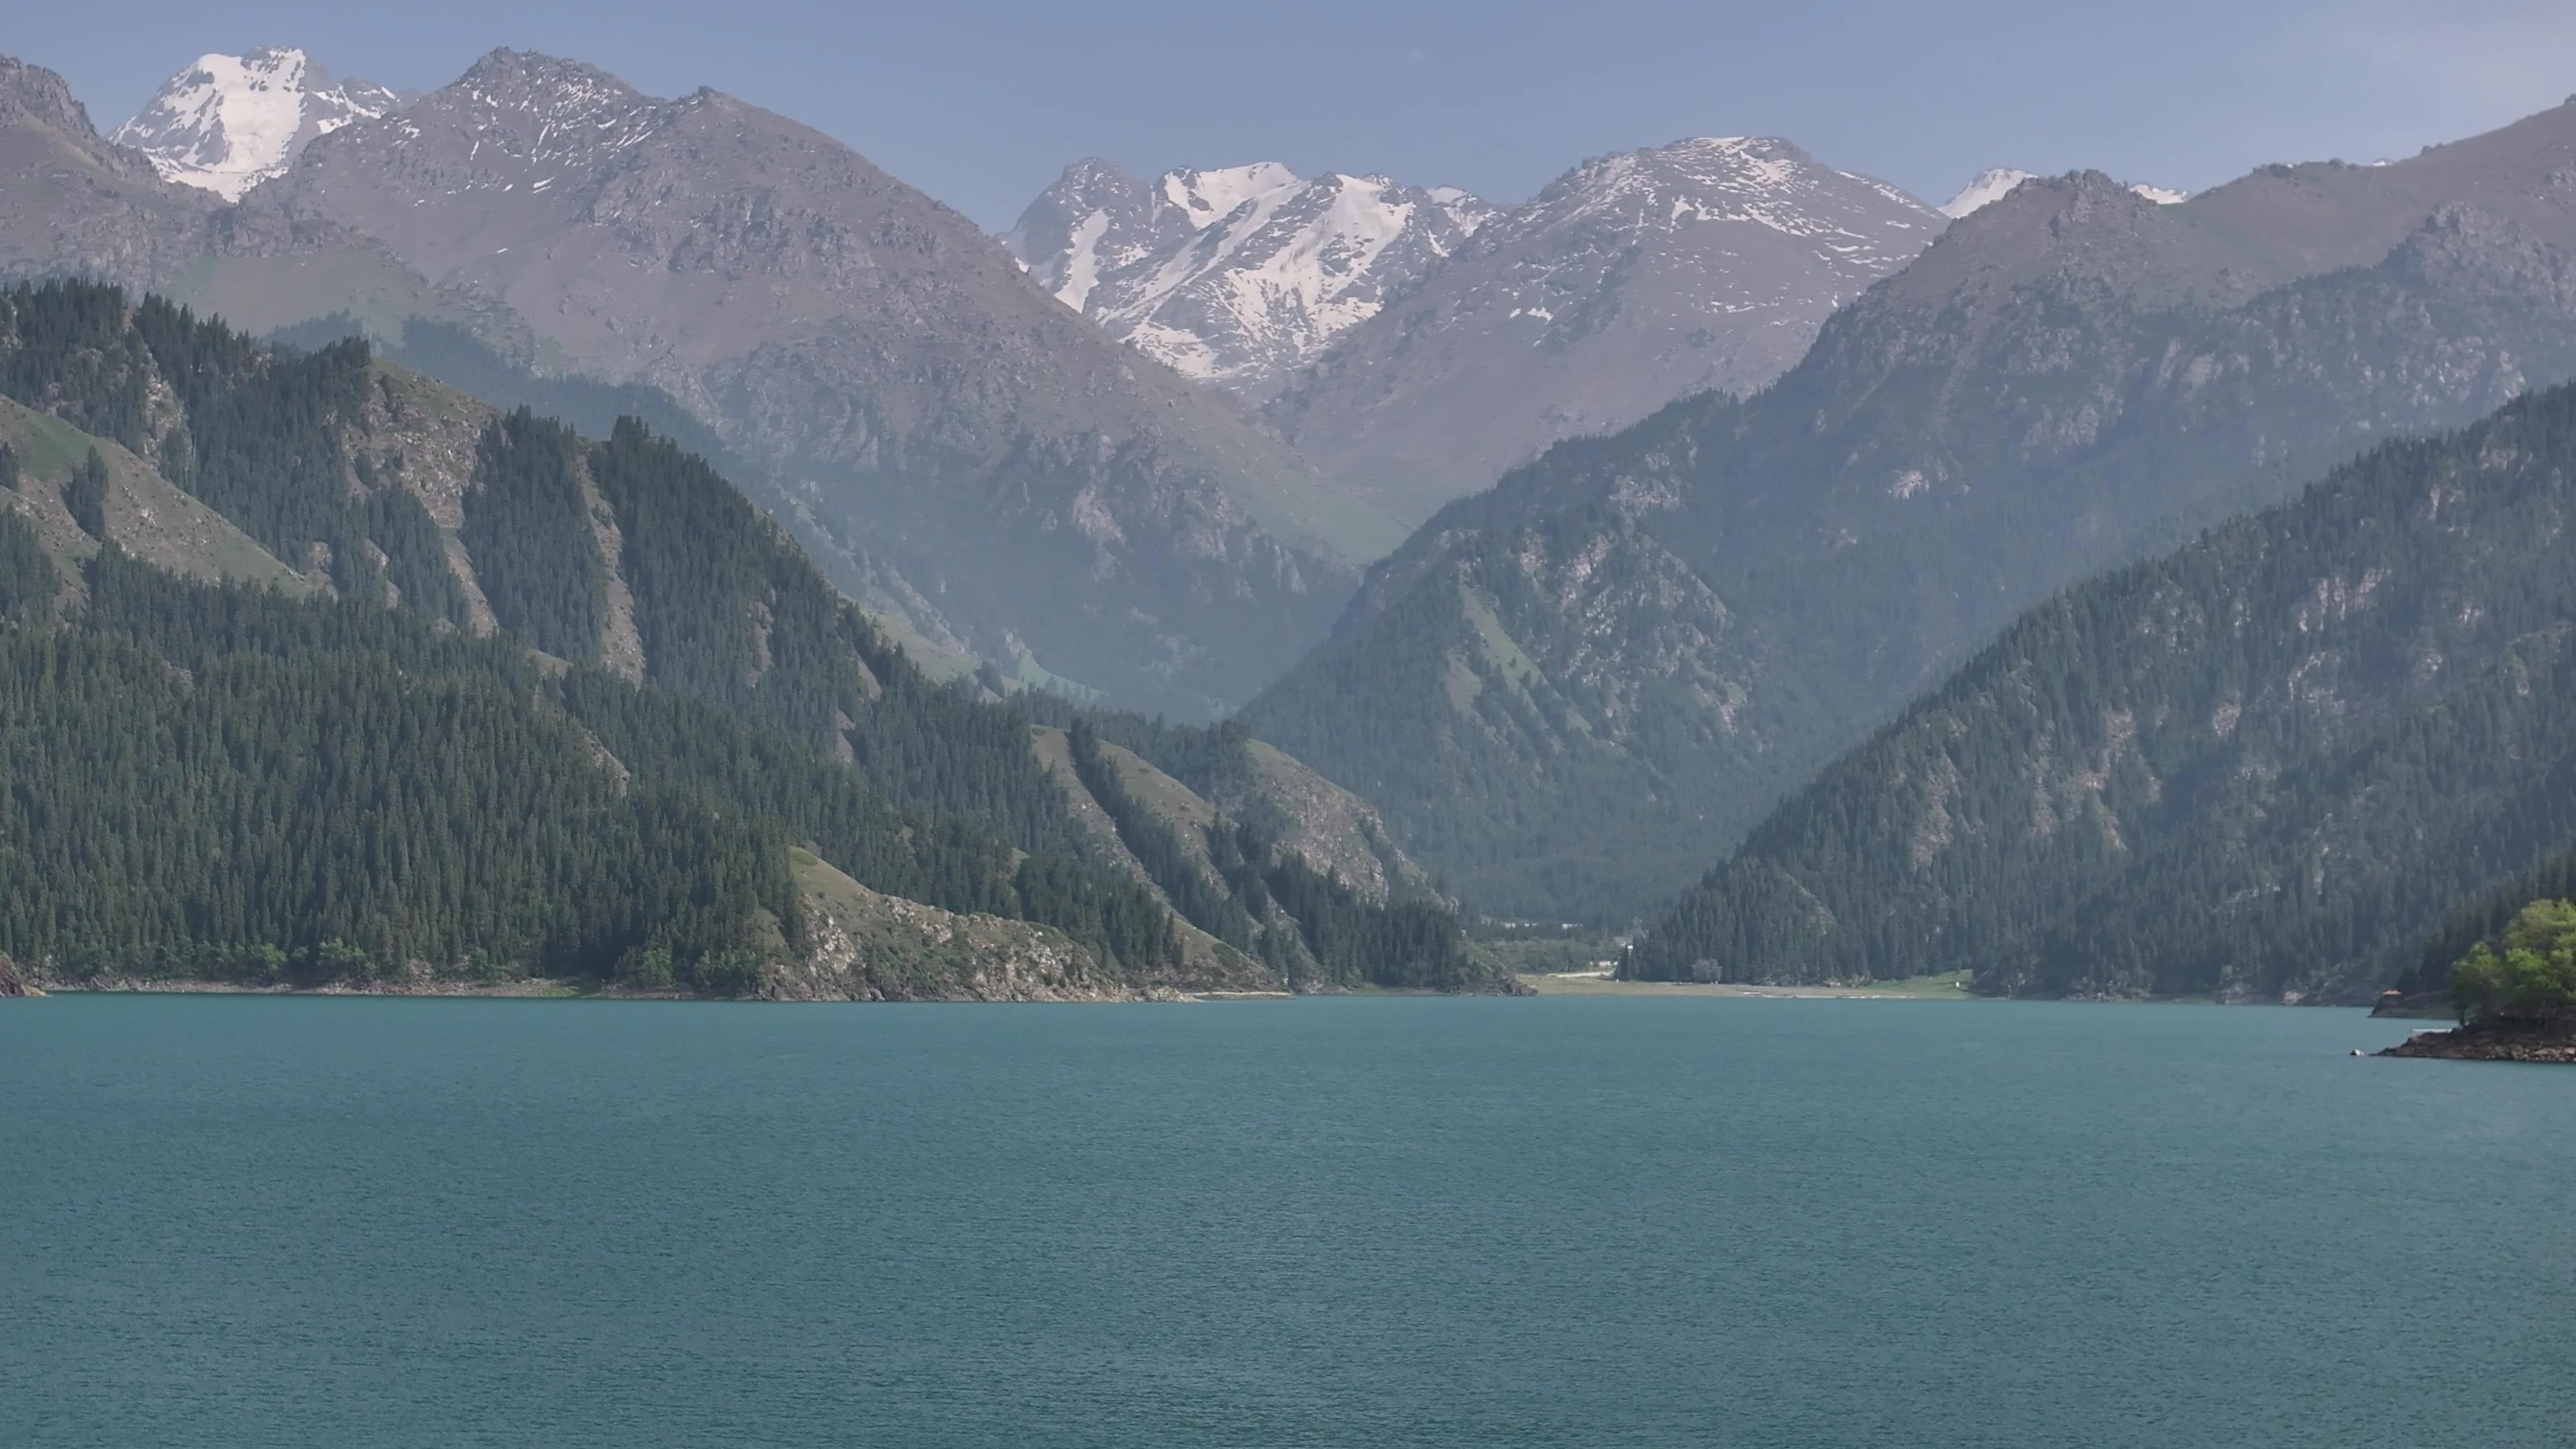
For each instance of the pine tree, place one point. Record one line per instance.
(85, 494)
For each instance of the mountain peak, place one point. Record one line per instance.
(1631, 280)
(515, 78)
(1091, 168)
(1764, 180)
(1987, 186)
(44, 97)
(1747, 148)
(1234, 274)
(1209, 196)
(1996, 182)
(229, 122)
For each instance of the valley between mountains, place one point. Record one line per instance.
(532, 534)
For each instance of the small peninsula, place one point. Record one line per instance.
(2515, 996)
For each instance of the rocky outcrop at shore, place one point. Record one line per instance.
(2492, 1044)
(14, 982)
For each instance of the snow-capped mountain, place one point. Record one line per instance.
(1236, 275)
(229, 122)
(1990, 185)
(1995, 182)
(1630, 281)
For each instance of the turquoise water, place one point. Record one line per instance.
(292, 1222)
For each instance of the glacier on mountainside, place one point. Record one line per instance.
(229, 122)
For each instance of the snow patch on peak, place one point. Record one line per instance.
(1990, 185)
(1210, 196)
(229, 122)
(1082, 261)
(1235, 275)
(1996, 182)
(1466, 210)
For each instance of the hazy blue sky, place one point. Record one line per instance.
(980, 103)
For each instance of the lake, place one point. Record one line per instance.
(1381, 1222)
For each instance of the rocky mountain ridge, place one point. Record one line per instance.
(1237, 276)
(78, 201)
(1632, 280)
(1996, 182)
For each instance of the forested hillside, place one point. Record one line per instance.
(680, 645)
(1551, 708)
(1238, 883)
(458, 358)
(219, 782)
(2484, 917)
(2264, 767)
(1228, 772)
(1570, 693)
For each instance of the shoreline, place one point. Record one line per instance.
(536, 989)
(548, 989)
(1590, 983)
(2555, 1047)
(1565, 984)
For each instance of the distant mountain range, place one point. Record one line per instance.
(1779, 446)
(959, 451)
(1416, 342)
(1578, 690)
(1630, 281)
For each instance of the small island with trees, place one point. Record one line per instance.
(2515, 995)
